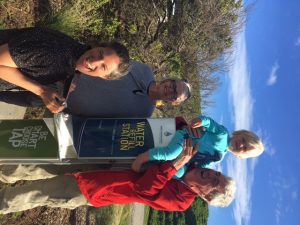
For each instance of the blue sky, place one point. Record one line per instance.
(261, 92)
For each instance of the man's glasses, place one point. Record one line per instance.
(174, 90)
(172, 85)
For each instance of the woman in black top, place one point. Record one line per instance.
(34, 57)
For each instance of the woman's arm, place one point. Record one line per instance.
(49, 96)
(188, 152)
(170, 152)
(11, 74)
(208, 124)
(156, 177)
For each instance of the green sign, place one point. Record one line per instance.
(26, 139)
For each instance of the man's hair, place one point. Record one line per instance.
(122, 52)
(188, 91)
(223, 199)
(252, 140)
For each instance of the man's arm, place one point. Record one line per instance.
(156, 177)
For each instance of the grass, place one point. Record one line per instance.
(146, 215)
(113, 215)
(67, 20)
(14, 216)
(126, 215)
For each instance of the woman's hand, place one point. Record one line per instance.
(9, 73)
(194, 132)
(195, 128)
(52, 99)
(196, 122)
(188, 152)
(139, 161)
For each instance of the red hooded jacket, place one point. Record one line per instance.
(155, 188)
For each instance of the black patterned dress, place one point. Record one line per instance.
(41, 54)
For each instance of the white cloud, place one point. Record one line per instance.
(297, 43)
(278, 213)
(273, 74)
(217, 167)
(269, 149)
(240, 92)
(238, 169)
(285, 193)
(240, 95)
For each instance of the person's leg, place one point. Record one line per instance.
(21, 98)
(60, 191)
(13, 173)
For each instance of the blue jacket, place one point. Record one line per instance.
(213, 145)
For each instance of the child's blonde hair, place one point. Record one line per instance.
(252, 140)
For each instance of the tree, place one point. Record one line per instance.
(178, 38)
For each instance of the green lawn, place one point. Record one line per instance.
(146, 215)
(113, 215)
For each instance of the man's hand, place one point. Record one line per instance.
(52, 99)
(188, 152)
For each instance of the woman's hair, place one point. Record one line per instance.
(252, 140)
(216, 198)
(123, 54)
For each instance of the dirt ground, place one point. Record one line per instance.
(20, 13)
(47, 216)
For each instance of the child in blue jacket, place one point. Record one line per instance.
(213, 142)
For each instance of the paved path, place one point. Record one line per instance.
(137, 217)
(8, 111)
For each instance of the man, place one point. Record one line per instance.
(132, 96)
(155, 188)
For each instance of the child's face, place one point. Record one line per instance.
(241, 148)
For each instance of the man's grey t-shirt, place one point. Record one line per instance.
(127, 97)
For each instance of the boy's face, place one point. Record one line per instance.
(98, 62)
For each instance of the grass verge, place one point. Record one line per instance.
(146, 215)
(113, 214)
